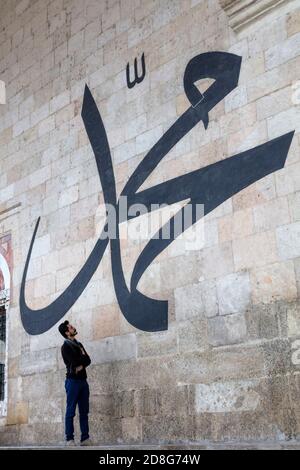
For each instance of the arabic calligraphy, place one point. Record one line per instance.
(137, 78)
(210, 186)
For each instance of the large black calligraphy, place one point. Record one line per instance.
(210, 186)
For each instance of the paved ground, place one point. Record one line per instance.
(266, 445)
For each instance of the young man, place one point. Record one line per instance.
(76, 359)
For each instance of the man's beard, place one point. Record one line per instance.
(74, 332)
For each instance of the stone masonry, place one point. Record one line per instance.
(228, 367)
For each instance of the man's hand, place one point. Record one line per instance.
(79, 368)
(82, 350)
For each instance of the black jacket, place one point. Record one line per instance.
(73, 357)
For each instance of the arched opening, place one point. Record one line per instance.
(4, 303)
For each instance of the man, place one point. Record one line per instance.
(77, 389)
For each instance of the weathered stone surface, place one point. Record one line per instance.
(131, 430)
(227, 368)
(233, 293)
(274, 282)
(173, 401)
(293, 320)
(17, 413)
(277, 357)
(256, 426)
(157, 344)
(38, 361)
(192, 335)
(227, 329)
(113, 348)
(264, 321)
(188, 302)
(106, 321)
(226, 397)
(167, 429)
(288, 240)
(220, 364)
(146, 402)
(255, 250)
(124, 404)
(45, 410)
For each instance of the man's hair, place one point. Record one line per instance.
(63, 327)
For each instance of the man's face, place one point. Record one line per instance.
(71, 331)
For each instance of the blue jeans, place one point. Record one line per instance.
(78, 392)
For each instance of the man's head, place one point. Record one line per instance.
(67, 330)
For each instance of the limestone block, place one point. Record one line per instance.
(188, 274)
(44, 285)
(41, 246)
(124, 405)
(274, 103)
(255, 250)
(227, 329)
(68, 196)
(288, 240)
(277, 356)
(217, 261)
(236, 99)
(21, 126)
(293, 320)
(292, 23)
(156, 344)
(47, 125)
(209, 298)
(173, 400)
(59, 101)
(267, 37)
(45, 410)
(39, 176)
(113, 349)
(15, 389)
(271, 214)
(124, 151)
(17, 413)
(36, 362)
(297, 273)
(167, 429)
(238, 225)
(237, 119)
(226, 397)
(234, 293)
(288, 181)
(192, 335)
(140, 31)
(106, 321)
(102, 404)
(267, 83)
(146, 140)
(188, 302)
(282, 52)
(274, 282)
(112, 15)
(284, 122)
(247, 138)
(251, 67)
(294, 205)
(146, 402)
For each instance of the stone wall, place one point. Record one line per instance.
(227, 368)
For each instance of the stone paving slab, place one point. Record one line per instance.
(268, 445)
